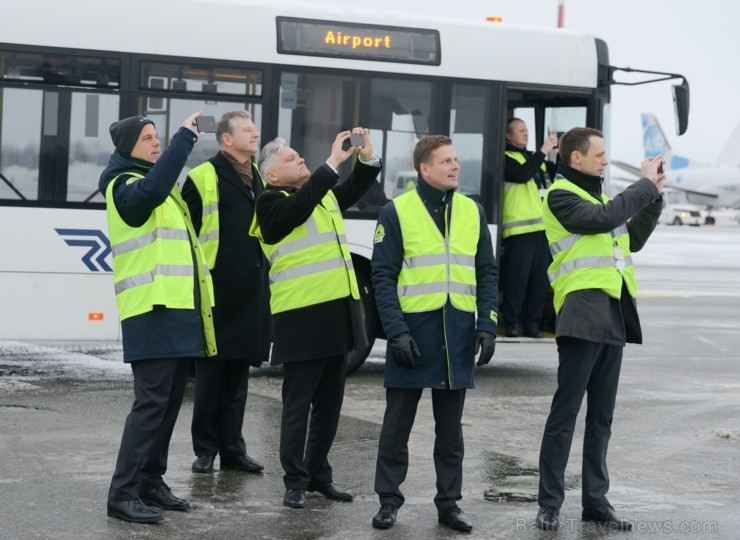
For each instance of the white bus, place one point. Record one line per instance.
(305, 71)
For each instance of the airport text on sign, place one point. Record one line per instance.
(357, 41)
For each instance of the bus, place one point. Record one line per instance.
(304, 71)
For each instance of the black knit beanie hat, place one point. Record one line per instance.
(126, 132)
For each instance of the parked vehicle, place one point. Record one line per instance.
(678, 211)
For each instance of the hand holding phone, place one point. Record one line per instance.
(357, 139)
(206, 124)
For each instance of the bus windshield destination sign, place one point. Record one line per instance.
(359, 41)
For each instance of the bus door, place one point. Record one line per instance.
(545, 113)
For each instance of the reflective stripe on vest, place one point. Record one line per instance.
(522, 210)
(148, 277)
(436, 267)
(590, 261)
(313, 264)
(206, 181)
(153, 264)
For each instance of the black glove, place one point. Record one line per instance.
(485, 342)
(403, 349)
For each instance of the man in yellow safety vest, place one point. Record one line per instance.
(314, 298)
(221, 194)
(434, 276)
(591, 239)
(164, 296)
(524, 256)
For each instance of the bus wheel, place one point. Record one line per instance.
(356, 358)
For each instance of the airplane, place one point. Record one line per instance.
(704, 184)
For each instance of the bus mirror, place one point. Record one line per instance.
(681, 106)
(680, 92)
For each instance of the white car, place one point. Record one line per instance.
(678, 211)
(680, 214)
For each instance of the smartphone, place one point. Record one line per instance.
(357, 139)
(206, 124)
(660, 168)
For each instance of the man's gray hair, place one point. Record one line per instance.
(269, 152)
(226, 123)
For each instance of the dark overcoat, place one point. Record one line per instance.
(242, 311)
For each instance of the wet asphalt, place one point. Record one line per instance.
(674, 457)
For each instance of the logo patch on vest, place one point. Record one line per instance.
(379, 235)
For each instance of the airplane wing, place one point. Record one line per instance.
(692, 191)
(627, 167)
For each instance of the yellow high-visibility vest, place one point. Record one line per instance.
(436, 267)
(313, 264)
(153, 263)
(588, 261)
(522, 209)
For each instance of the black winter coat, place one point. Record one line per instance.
(242, 312)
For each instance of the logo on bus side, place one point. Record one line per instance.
(96, 242)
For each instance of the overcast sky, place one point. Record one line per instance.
(699, 39)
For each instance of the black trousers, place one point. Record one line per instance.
(315, 386)
(159, 386)
(586, 367)
(393, 450)
(218, 410)
(524, 279)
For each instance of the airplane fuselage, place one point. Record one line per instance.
(724, 182)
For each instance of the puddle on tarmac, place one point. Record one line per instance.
(221, 486)
(512, 482)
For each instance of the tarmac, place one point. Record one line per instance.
(673, 457)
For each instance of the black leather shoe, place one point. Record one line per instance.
(204, 464)
(533, 333)
(295, 498)
(606, 515)
(455, 519)
(330, 491)
(134, 511)
(386, 517)
(241, 463)
(164, 499)
(548, 518)
(512, 331)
